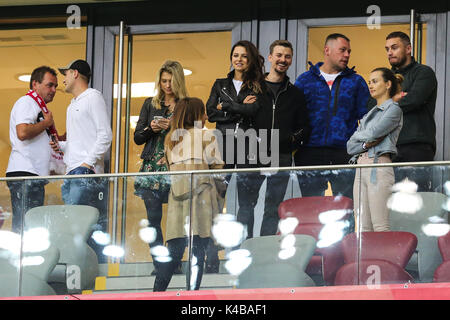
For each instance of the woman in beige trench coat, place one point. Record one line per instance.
(193, 203)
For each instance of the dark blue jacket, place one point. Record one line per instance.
(333, 115)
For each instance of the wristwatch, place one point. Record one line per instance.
(364, 146)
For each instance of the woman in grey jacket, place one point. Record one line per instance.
(375, 142)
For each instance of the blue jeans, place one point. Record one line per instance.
(91, 192)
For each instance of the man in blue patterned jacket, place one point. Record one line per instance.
(336, 99)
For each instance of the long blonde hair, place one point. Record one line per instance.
(186, 113)
(178, 82)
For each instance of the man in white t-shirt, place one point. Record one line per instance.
(329, 77)
(30, 150)
(88, 139)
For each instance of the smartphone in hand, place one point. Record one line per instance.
(157, 118)
(55, 140)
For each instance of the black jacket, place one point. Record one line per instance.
(286, 112)
(418, 105)
(233, 109)
(234, 115)
(143, 132)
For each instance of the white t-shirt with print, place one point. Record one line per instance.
(32, 155)
(329, 78)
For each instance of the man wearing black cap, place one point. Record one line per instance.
(89, 137)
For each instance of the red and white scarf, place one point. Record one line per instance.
(41, 103)
(50, 130)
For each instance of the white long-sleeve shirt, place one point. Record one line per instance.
(89, 133)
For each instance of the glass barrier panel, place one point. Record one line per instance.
(204, 251)
(256, 229)
(65, 236)
(403, 227)
(273, 236)
(157, 225)
(10, 238)
(418, 220)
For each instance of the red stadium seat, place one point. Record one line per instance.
(444, 246)
(442, 273)
(326, 261)
(384, 253)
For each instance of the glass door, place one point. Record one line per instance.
(204, 57)
(134, 55)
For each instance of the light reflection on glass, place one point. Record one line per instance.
(33, 261)
(238, 261)
(36, 240)
(102, 238)
(78, 240)
(288, 242)
(405, 202)
(405, 198)
(406, 186)
(161, 254)
(10, 242)
(333, 215)
(288, 225)
(436, 219)
(163, 259)
(446, 205)
(287, 253)
(114, 251)
(269, 173)
(332, 233)
(144, 223)
(148, 235)
(227, 231)
(187, 226)
(194, 272)
(436, 230)
(447, 188)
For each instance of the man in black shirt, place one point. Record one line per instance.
(284, 116)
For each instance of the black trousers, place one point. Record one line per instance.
(314, 183)
(249, 184)
(415, 152)
(153, 200)
(25, 195)
(176, 250)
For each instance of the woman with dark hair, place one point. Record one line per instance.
(232, 105)
(151, 129)
(375, 142)
(193, 204)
